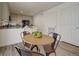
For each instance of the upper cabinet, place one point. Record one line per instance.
(4, 11)
(0, 10)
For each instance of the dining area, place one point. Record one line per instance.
(33, 40)
(39, 29)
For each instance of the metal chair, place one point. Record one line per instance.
(26, 52)
(31, 47)
(25, 43)
(51, 48)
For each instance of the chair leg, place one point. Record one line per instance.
(32, 47)
(36, 48)
(55, 53)
(47, 54)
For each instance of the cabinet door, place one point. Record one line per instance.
(5, 11)
(64, 23)
(75, 26)
(69, 24)
(0, 10)
(50, 21)
(0, 13)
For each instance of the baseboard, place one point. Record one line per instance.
(70, 44)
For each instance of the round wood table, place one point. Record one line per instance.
(45, 39)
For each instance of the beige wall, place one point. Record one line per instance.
(64, 18)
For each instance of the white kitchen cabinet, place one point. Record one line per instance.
(0, 10)
(75, 25)
(4, 11)
(0, 13)
(68, 24)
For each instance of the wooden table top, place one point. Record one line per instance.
(38, 41)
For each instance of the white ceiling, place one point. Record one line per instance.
(31, 8)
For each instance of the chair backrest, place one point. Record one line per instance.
(56, 37)
(24, 33)
(26, 52)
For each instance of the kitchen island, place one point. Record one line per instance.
(10, 36)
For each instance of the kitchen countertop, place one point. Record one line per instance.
(10, 26)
